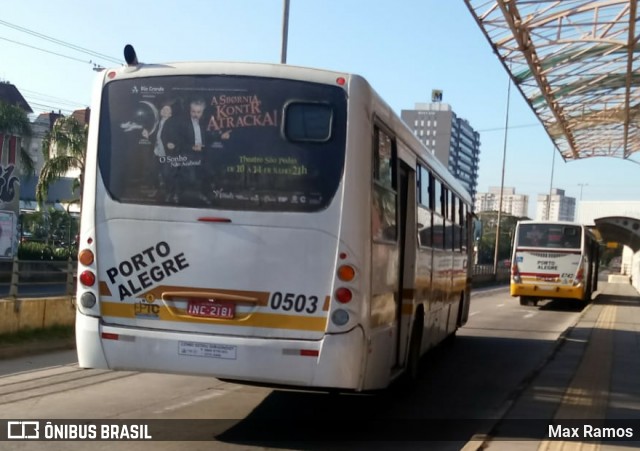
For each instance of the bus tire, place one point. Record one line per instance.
(451, 338)
(524, 300)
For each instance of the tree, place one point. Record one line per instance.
(14, 121)
(64, 148)
(486, 246)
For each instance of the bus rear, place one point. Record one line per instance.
(549, 262)
(211, 238)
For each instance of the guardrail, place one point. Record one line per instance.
(51, 277)
(33, 276)
(483, 274)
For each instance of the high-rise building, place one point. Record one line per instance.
(561, 207)
(512, 203)
(451, 139)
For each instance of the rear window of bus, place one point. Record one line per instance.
(237, 143)
(549, 236)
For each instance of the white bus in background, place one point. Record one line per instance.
(554, 260)
(265, 224)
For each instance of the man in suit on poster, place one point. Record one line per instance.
(194, 146)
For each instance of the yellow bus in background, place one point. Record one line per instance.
(553, 260)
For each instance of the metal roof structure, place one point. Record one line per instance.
(577, 63)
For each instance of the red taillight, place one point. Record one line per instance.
(514, 270)
(108, 336)
(580, 274)
(343, 295)
(87, 278)
(341, 81)
(309, 352)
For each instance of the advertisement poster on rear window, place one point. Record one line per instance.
(241, 143)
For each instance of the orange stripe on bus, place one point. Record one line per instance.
(104, 289)
(262, 297)
(407, 309)
(256, 319)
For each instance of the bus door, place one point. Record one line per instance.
(406, 257)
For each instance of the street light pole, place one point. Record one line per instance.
(285, 32)
(582, 185)
(553, 164)
(504, 158)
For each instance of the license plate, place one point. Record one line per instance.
(209, 308)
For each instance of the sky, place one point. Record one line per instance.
(405, 48)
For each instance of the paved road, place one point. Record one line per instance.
(502, 345)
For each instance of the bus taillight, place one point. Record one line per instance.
(343, 295)
(85, 257)
(579, 275)
(346, 273)
(515, 273)
(87, 278)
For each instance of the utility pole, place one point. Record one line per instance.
(504, 157)
(553, 163)
(285, 32)
(582, 185)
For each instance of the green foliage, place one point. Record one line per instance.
(14, 121)
(64, 148)
(486, 246)
(54, 228)
(33, 250)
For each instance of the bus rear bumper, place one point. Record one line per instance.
(322, 363)
(547, 291)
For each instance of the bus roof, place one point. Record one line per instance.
(273, 70)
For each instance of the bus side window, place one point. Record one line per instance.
(384, 197)
(424, 227)
(463, 226)
(432, 191)
(384, 161)
(437, 196)
(455, 203)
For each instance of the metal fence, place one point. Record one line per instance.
(37, 277)
(33, 278)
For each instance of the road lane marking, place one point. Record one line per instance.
(213, 394)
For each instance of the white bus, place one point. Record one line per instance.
(266, 224)
(554, 260)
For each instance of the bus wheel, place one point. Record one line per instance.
(451, 338)
(524, 300)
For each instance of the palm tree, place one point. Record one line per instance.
(14, 121)
(64, 148)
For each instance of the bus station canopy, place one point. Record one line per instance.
(620, 229)
(577, 64)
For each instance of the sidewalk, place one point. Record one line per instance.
(591, 382)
